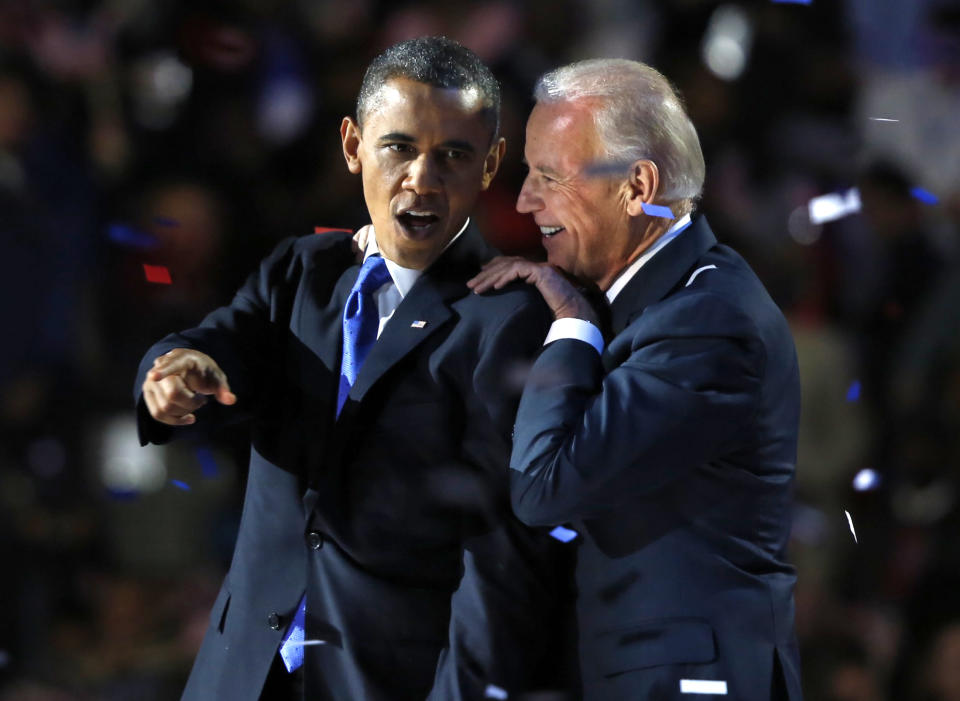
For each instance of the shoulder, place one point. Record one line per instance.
(497, 306)
(314, 245)
(721, 290)
(294, 255)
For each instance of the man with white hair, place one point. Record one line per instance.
(671, 449)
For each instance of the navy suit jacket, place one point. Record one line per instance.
(389, 513)
(673, 456)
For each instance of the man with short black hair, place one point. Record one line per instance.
(377, 557)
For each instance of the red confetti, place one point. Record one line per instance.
(327, 230)
(157, 273)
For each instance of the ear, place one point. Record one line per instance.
(492, 162)
(350, 138)
(643, 186)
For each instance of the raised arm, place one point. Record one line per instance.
(231, 356)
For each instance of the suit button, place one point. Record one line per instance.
(273, 620)
(315, 540)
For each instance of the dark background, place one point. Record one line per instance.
(195, 135)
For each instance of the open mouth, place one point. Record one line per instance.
(549, 231)
(418, 220)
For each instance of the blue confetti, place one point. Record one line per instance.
(794, 2)
(564, 535)
(208, 464)
(495, 692)
(657, 210)
(924, 196)
(181, 485)
(866, 479)
(165, 221)
(606, 169)
(126, 235)
(853, 393)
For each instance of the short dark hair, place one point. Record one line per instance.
(436, 61)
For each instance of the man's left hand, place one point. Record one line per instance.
(560, 295)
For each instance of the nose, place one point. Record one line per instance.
(528, 200)
(423, 176)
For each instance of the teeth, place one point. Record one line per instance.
(550, 230)
(420, 214)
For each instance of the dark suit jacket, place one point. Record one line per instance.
(673, 455)
(378, 513)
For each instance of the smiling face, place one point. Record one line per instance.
(585, 221)
(424, 155)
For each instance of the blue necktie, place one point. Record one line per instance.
(361, 321)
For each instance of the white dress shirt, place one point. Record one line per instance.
(389, 295)
(583, 330)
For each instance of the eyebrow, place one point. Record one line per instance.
(395, 136)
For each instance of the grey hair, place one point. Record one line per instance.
(641, 116)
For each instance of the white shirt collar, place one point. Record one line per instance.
(627, 275)
(404, 278)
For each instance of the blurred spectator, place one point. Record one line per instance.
(195, 135)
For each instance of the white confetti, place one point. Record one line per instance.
(850, 521)
(703, 686)
(865, 480)
(495, 692)
(301, 643)
(882, 119)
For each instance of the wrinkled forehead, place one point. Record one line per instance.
(561, 126)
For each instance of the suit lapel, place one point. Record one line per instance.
(325, 334)
(424, 310)
(331, 322)
(661, 273)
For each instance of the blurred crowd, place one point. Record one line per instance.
(196, 135)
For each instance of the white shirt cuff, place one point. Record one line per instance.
(577, 329)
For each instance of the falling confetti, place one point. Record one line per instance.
(703, 686)
(327, 230)
(564, 535)
(833, 206)
(866, 479)
(495, 692)
(850, 521)
(657, 210)
(924, 196)
(180, 485)
(303, 643)
(853, 392)
(208, 464)
(128, 236)
(882, 119)
(605, 169)
(157, 273)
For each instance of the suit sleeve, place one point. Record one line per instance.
(241, 337)
(584, 443)
(511, 617)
